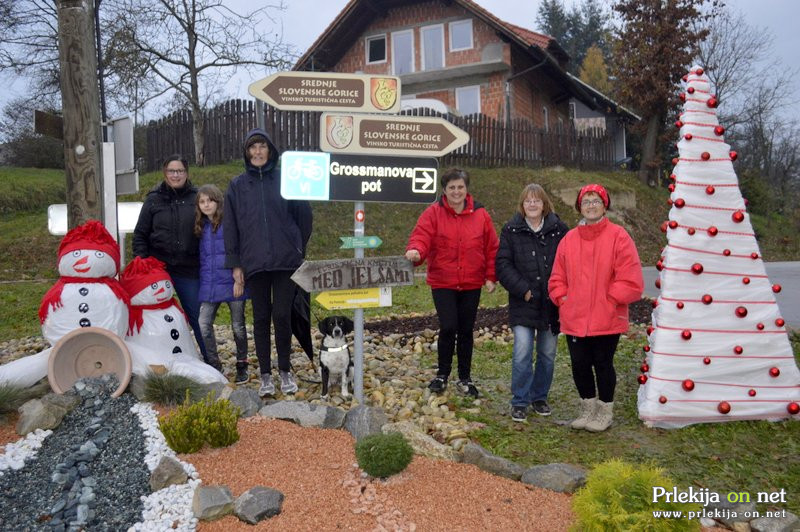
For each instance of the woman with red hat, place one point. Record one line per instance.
(595, 276)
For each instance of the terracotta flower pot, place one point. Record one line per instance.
(88, 352)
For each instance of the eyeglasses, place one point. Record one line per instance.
(176, 172)
(591, 202)
(533, 202)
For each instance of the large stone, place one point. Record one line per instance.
(247, 400)
(363, 421)
(496, 465)
(564, 478)
(212, 502)
(305, 414)
(785, 521)
(39, 414)
(136, 387)
(217, 387)
(68, 401)
(422, 444)
(168, 472)
(257, 504)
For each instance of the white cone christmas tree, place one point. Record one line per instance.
(718, 348)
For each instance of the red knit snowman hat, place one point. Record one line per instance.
(140, 273)
(91, 235)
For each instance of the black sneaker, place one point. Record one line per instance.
(519, 414)
(438, 384)
(541, 408)
(467, 387)
(242, 377)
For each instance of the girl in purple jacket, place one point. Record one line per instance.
(217, 284)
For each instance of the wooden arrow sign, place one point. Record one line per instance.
(389, 135)
(324, 91)
(346, 274)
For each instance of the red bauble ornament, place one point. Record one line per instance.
(712, 231)
(699, 71)
(779, 322)
(738, 350)
(642, 379)
(697, 268)
(682, 96)
(650, 330)
(660, 265)
(776, 288)
(644, 368)
(733, 155)
(663, 227)
(746, 202)
(707, 299)
(662, 399)
(686, 334)
(754, 255)
(726, 252)
(741, 312)
(745, 280)
(737, 217)
(705, 156)
(710, 190)
(678, 124)
(774, 372)
(658, 283)
(679, 304)
(675, 161)
(672, 224)
(690, 90)
(688, 136)
(724, 407)
(793, 409)
(654, 304)
(670, 202)
(719, 130)
(688, 385)
(672, 177)
(691, 231)
(646, 348)
(680, 203)
(707, 361)
(712, 102)
(751, 392)
(671, 187)
(760, 326)
(685, 78)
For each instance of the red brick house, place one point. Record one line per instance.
(457, 52)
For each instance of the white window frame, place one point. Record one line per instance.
(422, 46)
(460, 92)
(546, 118)
(394, 55)
(573, 111)
(385, 49)
(471, 38)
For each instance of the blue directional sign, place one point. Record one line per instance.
(305, 175)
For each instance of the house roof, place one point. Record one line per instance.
(608, 102)
(350, 24)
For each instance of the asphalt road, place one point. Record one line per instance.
(786, 274)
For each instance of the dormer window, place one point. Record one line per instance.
(461, 35)
(376, 49)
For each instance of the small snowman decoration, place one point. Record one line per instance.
(87, 293)
(157, 322)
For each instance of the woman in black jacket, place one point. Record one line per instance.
(524, 261)
(165, 230)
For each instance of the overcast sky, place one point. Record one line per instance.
(304, 20)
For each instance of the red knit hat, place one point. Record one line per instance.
(91, 235)
(597, 189)
(140, 273)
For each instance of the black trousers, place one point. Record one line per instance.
(456, 310)
(593, 358)
(272, 294)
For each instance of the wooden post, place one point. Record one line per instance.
(81, 111)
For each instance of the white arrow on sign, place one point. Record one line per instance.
(424, 181)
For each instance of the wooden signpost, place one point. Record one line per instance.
(347, 274)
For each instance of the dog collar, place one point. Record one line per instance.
(334, 349)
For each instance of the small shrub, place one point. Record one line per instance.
(384, 455)
(191, 426)
(170, 389)
(12, 397)
(618, 496)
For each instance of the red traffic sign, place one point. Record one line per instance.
(324, 91)
(360, 216)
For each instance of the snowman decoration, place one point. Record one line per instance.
(85, 295)
(159, 333)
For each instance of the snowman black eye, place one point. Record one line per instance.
(154, 286)
(167, 284)
(99, 254)
(76, 253)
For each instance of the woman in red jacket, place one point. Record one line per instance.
(457, 238)
(596, 275)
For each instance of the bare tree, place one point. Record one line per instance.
(187, 47)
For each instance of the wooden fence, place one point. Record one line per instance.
(492, 143)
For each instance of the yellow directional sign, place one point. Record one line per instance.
(359, 298)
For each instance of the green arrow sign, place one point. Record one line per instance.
(367, 242)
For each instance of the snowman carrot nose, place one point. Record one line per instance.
(160, 290)
(84, 260)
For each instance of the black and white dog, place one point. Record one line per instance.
(334, 355)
